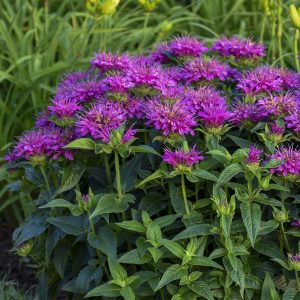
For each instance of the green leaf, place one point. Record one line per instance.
(68, 224)
(117, 272)
(268, 289)
(205, 262)
(108, 203)
(154, 233)
(63, 204)
(132, 225)
(228, 173)
(104, 290)
(237, 275)
(143, 149)
(127, 293)
(174, 272)
(251, 215)
(156, 253)
(83, 143)
(205, 175)
(202, 289)
(71, 177)
(242, 143)
(105, 241)
(173, 247)
(176, 199)
(267, 227)
(157, 174)
(289, 294)
(195, 230)
(166, 220)
(133, 257)
(269, 248)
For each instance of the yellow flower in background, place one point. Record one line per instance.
(149, 4)
(109, 6)
(295, 16)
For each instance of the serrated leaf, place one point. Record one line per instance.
(143, 149)
(82, 143)
(157, 174)
(132, 226)
(133, 257)
(205, 175)
(117, 272)
(205, 262)
(173, 247)
(195, 230)
(268, 289)
(68, 224)
(174, 272)
(289, 294)
(251, 215)
(228, 173)
(127, 293)
(104, 290)
(202, 289)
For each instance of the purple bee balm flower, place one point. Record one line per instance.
(247, 114)
(128, 135)
(279, 105)
(179, 158)
(153, 77)
(116, 87)
(204, 70)
(41, 143)
(133, 108)
(73, 78)
(111, 62)
(186, 46)
(169, 117)
(101, 117)
(214, 117)
(239, 48)
(293, 121)
(197, 99)
(85, 198)
(266, 80)
(174, 73)
(276, 130)
(86, 91)
(159, 55)
(296, 223)
(254, 155)
(43, 120)
(64, 108)
(290, 166)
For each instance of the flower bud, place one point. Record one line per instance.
(109, 7)
(24, 249)
(265, 182)
(294, 261)
(266, 7)
(280, 215)
(295, 16)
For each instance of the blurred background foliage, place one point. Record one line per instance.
(39, 40)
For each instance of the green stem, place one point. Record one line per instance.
(262, 32)
(184, 195)
(45, 178)
(279, 31)
(296, 54)
(107, 170)
(118, 176)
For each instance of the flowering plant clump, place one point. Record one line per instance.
(173, 175)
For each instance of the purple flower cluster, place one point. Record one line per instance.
(181, 158)
(175, 91)
(290, 162)
(239, 48)
(267, 80)
(254, 155)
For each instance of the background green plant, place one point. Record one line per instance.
(39, 40)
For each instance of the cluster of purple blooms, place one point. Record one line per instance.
(175, 89)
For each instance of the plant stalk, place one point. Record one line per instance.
(184, 195)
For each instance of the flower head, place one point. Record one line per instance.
(293, 121)
(111, 62)
(186, 46)
(197, 99)
(43, 120)
(37, 144)
(296, 223)
(275, 133)
(64, 108)
(266, 80)
(169, 117)
(247, 114)
(204, 70)
(254, 155)
(294, 261)
(239, 48)
(279, 105)
(100, 120)
(182, 158)
(290, 162)
(214, 117)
